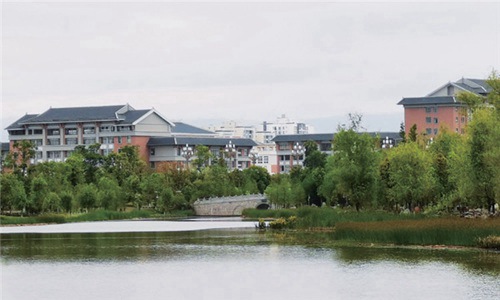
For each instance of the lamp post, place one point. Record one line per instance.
(387, 143)
(253, 157)
(230, 150)
(187, 153)
(297, 152)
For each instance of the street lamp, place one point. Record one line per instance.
(387, 143)
(297, 152)
(253, 157)
(187, 153)
(230, 153)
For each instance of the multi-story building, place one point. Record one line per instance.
(441, 108)
(290, 148)
(57, 132)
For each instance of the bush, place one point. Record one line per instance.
(489, 242)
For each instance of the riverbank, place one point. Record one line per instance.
(385, 228)
(98, 215)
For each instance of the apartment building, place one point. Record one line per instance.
(441, 108)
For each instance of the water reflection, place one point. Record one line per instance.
(235, 263)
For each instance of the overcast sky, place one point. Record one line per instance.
(212, 62)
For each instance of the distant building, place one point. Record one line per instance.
(290, 148)
(441, 108)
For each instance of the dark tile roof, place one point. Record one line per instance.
(181, 127)
(72, 114)
(486, 88)
(133, 115)
(318, 137)
(194, 141)
(436, 100)
(17, 124)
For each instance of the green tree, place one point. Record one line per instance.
(67, 201)
(12, 193)
(19, 157)
(203, 157)
(109, 194)
(402, 132)
(413, 134)
(39, 191)
(352, 170)
(410, 176)
(259, 175)
(87, 197)
(51, 203)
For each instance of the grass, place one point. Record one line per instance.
(388, 228)
(98, 215)
(315, 217)
(437, 231)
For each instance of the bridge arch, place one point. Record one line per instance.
(263, 206)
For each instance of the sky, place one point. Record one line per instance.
(209, 62)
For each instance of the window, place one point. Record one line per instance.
(129, 139)
(428, 110)
(152, 165)
(54, 142)
(89, 141)
(435, 108)
(89, 130)
(428, 130)
(70, 131)
(266, 159)
(37, 131)
(428, 120)
(284, 146)
(37, 142)
(462, 119)
(71, 141)
(53, 132)
(436, 121)
(456, 130)
(152, 151)
(107, 128)
(259, 160)
(435, 131)
(119, 140)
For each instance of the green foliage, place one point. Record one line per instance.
(410, 176)
(413, 134)
(352, 171)
(13, 193)
(87, 196)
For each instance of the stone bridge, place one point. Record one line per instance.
(229, 206)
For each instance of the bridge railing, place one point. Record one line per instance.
(252, 197)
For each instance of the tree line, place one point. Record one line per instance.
(449, 171)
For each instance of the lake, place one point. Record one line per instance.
(227, 259)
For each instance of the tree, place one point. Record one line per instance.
(353, 167)
(413, 134)
(13, 194)
(109, 194)
(51, 203)
(19, 157)
(87, 197)
(410, 176)
(402, 132)
(259, 175)
(203, 157)
(39, 191)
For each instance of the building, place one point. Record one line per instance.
(57, 132)
(180, 150)
(290, 151)
(290, 148)
(441, 108)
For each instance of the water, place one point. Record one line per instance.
(216, 262)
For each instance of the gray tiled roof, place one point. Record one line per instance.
(17, 124)
(194, 141)
(133, 115)
(181, 127)
(318, 137)
(428, 100)
(72, 114)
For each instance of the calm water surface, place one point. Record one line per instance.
(217, 262)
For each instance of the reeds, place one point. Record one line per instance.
(440, 231)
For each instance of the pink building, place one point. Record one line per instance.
(441, 108)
